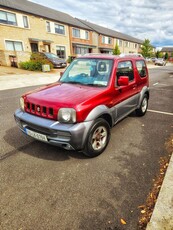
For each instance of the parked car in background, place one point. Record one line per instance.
(54, 59)
(147, 59)
(160, 61)
(153, 59)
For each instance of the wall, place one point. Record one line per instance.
(37, 29)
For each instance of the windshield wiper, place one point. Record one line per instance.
(100, 85)
(73, 82)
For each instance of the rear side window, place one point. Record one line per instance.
(141, 67)
(125, 68)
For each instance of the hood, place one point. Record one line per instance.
(63, 95)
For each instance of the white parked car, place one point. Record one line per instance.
(160, 61)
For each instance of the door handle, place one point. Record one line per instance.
(134, 86)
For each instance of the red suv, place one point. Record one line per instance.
(92, 95)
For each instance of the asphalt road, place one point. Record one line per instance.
(44, 187)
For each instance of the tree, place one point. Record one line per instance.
(166, 56)
(116, 50)
(146, 48)
(159, 54)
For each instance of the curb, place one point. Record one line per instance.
(162, 217)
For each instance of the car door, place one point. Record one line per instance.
(125, 96)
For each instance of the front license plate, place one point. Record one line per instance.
(36, 135)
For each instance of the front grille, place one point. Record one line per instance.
(39, 110)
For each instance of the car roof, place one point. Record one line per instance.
(111, 56)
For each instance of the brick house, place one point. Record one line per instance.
(27, 27)
(106, 39)
(168, 50)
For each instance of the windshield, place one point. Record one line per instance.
(50, 55)
(94, 72)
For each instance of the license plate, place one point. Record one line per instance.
(36, 135)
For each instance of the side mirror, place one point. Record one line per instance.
(123, 80)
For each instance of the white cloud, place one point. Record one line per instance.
(141, 19)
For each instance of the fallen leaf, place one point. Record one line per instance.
(141, 206)
(123, 221)
(143, 211)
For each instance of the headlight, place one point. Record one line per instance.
(22, 104)
(67, 115)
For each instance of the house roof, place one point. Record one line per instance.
(167, 49)
(109, 32)
(42, 11)
(51, 14)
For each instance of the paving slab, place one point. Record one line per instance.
(11, 78)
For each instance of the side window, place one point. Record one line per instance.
(141, 67)
(125, 68)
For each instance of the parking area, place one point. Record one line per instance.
(44, 187)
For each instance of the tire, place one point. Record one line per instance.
(143, 106)
(98, 138)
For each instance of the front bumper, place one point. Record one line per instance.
(67, 136)
(62, 65)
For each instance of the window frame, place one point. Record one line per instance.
(86, 35)
(124, 73)
(14, 43)
(48, 28)
(103, 39)
(25, 21)
(7, 21)
(75, 34)
(58, 30)
(143, 72)
(109, 40)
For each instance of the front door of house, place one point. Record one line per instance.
(34, 47)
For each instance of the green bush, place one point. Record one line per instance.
(31, 65)
(35, 63)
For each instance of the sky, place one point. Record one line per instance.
(143, 19)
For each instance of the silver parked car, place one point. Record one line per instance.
(160, 61)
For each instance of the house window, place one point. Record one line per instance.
(60, 51)
(136, 46)
(59, 29)
(14, 45)
(25, 21)
(76, 33)
(127, 44)
(109, 40)
(48, 26)
(8, 18)
(81, 50)
(86, 35)
(119, 42)
(103, 39)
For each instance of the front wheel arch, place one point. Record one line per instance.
(98, 138)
